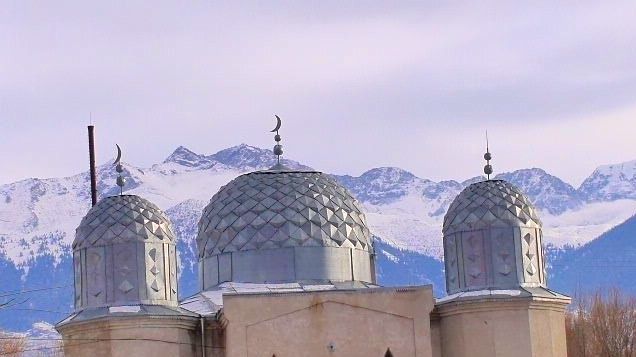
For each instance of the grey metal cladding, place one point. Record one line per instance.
(281, 225)
(493, 203)
(281, 208)
(123, 218)
(125, 253)
(492, 239)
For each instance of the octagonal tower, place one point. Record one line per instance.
(125, 253)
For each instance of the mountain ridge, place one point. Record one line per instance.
(404, 208)
(38, 217)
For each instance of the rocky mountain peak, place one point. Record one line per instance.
(188, 158)
(547, 192)
(611, 182)
(245, 157)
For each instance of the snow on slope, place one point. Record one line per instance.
(549, 193)
(611, 182)
(406, 224)
(40, 216)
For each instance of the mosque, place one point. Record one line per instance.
(287, 268)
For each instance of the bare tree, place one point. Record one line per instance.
(602, 324)
(11, 345)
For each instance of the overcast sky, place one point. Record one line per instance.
(360, 85)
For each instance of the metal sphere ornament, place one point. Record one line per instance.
(488, 169)
(121, 181)
(487, 156)
(278, 148)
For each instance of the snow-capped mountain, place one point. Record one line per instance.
(38, 217)
(248, 158)
(549, 193)
(187, 158)
(611, 182)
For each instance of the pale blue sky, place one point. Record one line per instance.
(358, 85)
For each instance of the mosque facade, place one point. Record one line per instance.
(287, 268)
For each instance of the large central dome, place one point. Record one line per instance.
(283, 225)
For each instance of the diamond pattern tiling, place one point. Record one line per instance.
(122, 219)
(270, 209)
(493, 203)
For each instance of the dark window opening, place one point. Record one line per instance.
(388, 353)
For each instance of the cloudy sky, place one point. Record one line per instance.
(358, 85)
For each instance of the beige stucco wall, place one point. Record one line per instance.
(127, 337)
(356, 323)
(337, 324)
(214, 338)
(519, 327)
(436, 334)
(547, 328)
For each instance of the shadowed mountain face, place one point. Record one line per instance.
(38, 218)
(606, 262)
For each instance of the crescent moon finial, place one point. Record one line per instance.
(278, 148)
(121, 181)
(278, 124)
(118, 159)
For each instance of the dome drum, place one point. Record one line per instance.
(492, 240)
(501, 258)
(290, 264)
(124, 253)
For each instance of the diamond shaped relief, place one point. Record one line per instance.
(505, 269)
(125, 286)
(154, 270)
(152, 253)
(528, 238)
(474, 273)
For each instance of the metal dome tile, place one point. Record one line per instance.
(277, 221)
(287, 207)
(489, 201)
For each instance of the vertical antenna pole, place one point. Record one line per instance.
(91, 155)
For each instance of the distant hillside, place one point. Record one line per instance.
(608, 261)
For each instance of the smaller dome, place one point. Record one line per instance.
(125, 218)
(492, 203)
(492, 240)
(124, 252)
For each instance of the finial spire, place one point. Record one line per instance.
(487, 157)
(121, 181)
(278, 148)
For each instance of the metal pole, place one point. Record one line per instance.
(202, 336)
(91, 155)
